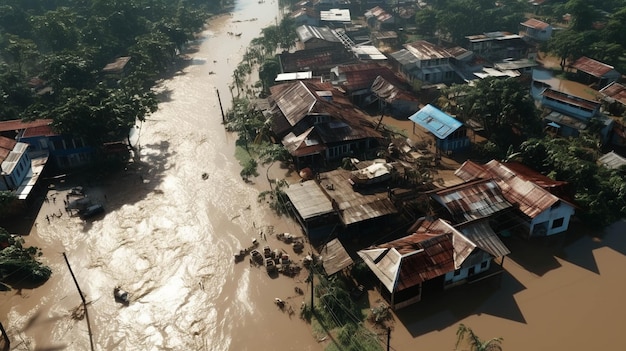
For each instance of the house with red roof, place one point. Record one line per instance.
(538, 210)
(434, 257)
(599, 74)
(535, 29)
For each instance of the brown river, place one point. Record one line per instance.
(168, 237)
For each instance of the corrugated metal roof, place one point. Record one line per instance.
(612, 160)
(18, 124)
(389, 92)
(592, 67)
(530, 198)
(335, 257)
(436, 248)
(11, 160)
(355, 206)
(535, 24)
(472, 200)
(436, 121)
(481, 234)
(614, 91)
(306, 32)
(116, 66)
(309, 199)
(424, 50)
(404, 57)
(570, 99)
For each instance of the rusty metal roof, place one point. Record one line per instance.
(353, 206)
(528, 196)
(481, 234)
(570, 99)
(335, 257)
(472, 200)
(424, 50)
(592, 67)
(362, 75)
(535, 24)
(389, 92)
(436, 248)
(614, 92)
(292, 102)
(18, 124)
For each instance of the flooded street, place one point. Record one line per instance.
(169, 235)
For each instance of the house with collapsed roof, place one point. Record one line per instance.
(379, 19)
(317, 124)
(393, 99)
(356, 80)
(590, 71)
(450, 133)
(537, 210)
(534, 29)
(434, 257)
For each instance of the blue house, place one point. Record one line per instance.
(450, 133)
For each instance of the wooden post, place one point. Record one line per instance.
(84, 302)
(5, 336)
(221, 108)
(312, 290)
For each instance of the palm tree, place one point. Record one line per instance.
(474, 342)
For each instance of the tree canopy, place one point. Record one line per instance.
(18, 264)
(66, 43)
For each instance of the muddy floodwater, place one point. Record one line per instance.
(168, 237)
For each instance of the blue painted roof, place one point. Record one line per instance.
(436, 121)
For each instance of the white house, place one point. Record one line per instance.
(541, 212)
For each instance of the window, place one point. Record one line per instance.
(558, 223)
(483, 265)
(457, 272)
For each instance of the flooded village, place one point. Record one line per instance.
(383, 191)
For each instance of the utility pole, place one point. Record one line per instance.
(388, 338)
(312, 289)
(221, 108)
(84, 302)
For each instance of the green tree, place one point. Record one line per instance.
(466, 335)
(504, 108)
(268, 72)
(18, 264)
(426, 21)
(568, 45)
(101, 115)
(19, 51)
(583, 14)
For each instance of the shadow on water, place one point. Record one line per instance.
(493, 296)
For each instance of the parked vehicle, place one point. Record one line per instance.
(91, 211)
